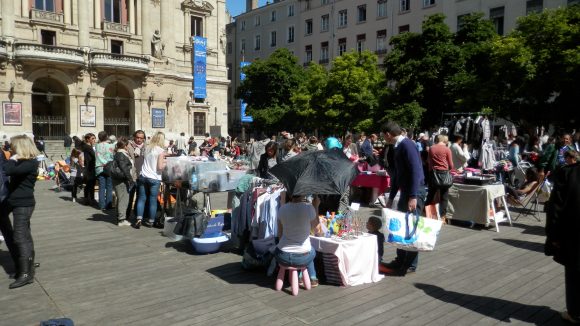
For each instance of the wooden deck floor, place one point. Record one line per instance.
(99, 274)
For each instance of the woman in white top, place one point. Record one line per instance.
(296, 220)
(150, 179)
(459, 153)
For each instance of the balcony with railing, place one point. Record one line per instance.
(119, 62)
(323, 61)
(41, 52)
(47, 16)
(113, 27)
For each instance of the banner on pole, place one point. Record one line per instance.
(243, 105)
(199, 67)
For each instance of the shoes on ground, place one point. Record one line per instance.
(147, 223)
(138, 224)
(124, 223)
(74, 200)
(313, 283)
(566, 316)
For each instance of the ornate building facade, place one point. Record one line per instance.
(78, 66)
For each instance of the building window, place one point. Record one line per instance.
(243, 45)
(309, 27)
(48, 37)
(342, 18)
(308, 50)
(229, 71)
(199, 123)
(257, 43)
(45, 5)
(273, 38)
(243, 25)
(290, 10)
(428, 3)
(324, 23)
(496, 15)
(461, 21)
(405, 5)
(229, 95)
(273, 16)
(381, 41)
(381, 8)
(404, 29)
(113, 10)
(257, 20)
(323, 53)
(534, 6)
(196, 26)
(360, 42)
(362, 13)
(341, 46)
(116, 47)
(291, 34)
(307, 4)
(230, 47)
(323, 2)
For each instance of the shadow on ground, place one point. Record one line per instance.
(531, 229)
(233, 273)
(103, 217)
(499, 309)
(535, 246)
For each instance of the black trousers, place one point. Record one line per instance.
(90, 189)
(7, 231)
(77, 182)
(22, 233)
(572, 281)
(406, 259)
(443, 198)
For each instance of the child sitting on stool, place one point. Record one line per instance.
(374, 224)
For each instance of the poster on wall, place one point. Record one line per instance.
(243, 105)
(199, 67)
(88, 116)
(158, 118)
(12, 113)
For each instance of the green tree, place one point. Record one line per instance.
(355, 85)
(268, 90)
(309, 99)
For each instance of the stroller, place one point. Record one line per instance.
(62, 179)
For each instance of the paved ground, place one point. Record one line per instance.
(99, 274)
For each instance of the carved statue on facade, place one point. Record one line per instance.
(223, 41)
(156, 46)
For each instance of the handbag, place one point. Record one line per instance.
(410, 231)
(441, 178)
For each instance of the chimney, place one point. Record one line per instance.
(251, 5)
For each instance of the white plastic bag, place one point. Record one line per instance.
(410, 231)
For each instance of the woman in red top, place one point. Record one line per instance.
(440, 160)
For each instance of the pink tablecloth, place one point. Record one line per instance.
(372, 181)
(358, 259)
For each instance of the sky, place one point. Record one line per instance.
(237, 7)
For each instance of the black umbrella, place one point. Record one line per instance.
(327, 172)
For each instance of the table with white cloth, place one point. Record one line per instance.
(476, 203)
(358, 259)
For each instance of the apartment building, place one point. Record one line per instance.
(78, 66)
(320, 30)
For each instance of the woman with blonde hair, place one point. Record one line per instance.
(22, 168)
(150, 179)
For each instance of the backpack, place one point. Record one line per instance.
(112, 169)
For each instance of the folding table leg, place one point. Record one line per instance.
(507, 211)
(494, 216)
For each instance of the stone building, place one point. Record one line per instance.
(320, 30)
(77, 66)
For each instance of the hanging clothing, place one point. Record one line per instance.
(487, 157)
(486, 129)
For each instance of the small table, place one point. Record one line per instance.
(472, 203)
(358, 259)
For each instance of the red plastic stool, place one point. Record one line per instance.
(293, 277)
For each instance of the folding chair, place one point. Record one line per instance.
(529, 204)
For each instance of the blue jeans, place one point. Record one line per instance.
(148, 189)
(293, 259)
(105, 191)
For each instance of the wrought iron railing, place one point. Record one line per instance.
(49, 127)
(120, 127)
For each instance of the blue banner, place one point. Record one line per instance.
(243, 105)
(199, 67)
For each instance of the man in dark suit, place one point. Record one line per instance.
(563, 234)
(408, 179)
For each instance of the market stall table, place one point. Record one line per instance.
(358, 259)
(473, 203)
(372, 180)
